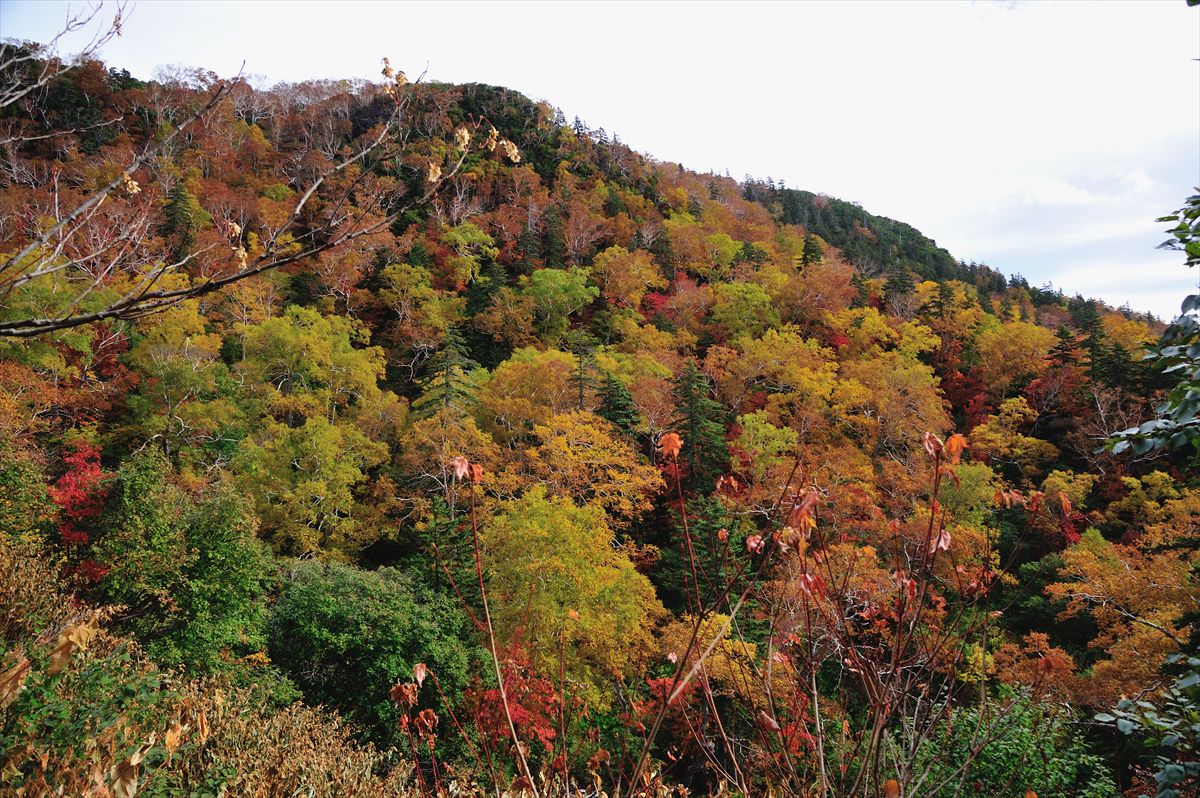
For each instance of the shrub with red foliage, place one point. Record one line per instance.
(654, 305)
(79, 493)
(533, 704)
(678, 710)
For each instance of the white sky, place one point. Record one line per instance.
(1042, 138)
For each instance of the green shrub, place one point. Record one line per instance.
(190, 573)
(346, 635)
(1030, 746)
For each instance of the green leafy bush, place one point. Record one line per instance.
(1030, 746)
(190, 573)
(346, 636)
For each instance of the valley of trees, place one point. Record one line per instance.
(407, 438)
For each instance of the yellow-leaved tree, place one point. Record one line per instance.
(557, 585)
(1138, 596)
(582, 457)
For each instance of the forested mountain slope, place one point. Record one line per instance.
(421, 441)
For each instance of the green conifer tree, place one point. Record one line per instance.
(529, 249)
(701, 421)
(184, 218)
(1095, 341)
(861, 298)
(985, 302)
(1065, 349)
(617, 407)
(583, 345)
(899, 283)
(554, 243)
(445, 383)
(813, 251)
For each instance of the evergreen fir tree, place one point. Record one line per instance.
(1087, 319)
(751, 253)
(419, 255)
(445, 384)
(813, 251)
(1097, 360)
(899, 283)
(945, 299)
(617, 407)
(700, 420)
(985, 302)
(664, 254)
(707, 516)
(1085, 316)
(1113, 366)
(583, 346)
(940, 303)
(861, 298)
(613, 203)
(529, 249)
(483, 348)
(184, 217)
(554, 243)
(1064, 352)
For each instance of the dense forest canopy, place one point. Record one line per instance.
(382, 438)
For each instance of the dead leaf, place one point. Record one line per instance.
(12, 682)
(670, 444)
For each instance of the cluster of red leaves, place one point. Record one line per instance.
(79, 493)
(794, 736)
(660, 689)
(1071, 527)
(533, 704)
(655, 305)
(967, 395)
(107, 348)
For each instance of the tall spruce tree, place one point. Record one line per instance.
(529, 248)
(813, 252)
(617, 407)
(1065, 348)
(554, 243)
(445, 383)
(701, 421)
(184, 217)
(1095, 342)
(945, 298)
(899, 283)
(861, 298)
(938, 305)
(985, 301)
(583, 345)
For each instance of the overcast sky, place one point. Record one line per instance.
(1041, 138)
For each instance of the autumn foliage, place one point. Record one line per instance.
(533, 464)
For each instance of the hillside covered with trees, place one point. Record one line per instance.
(408, 438)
